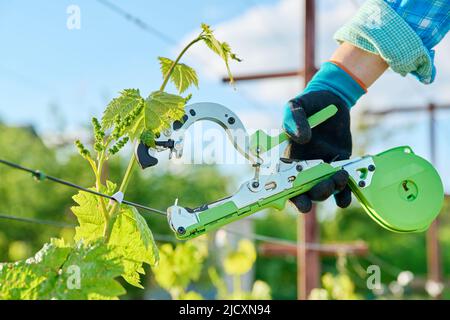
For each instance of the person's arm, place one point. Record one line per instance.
(395, 33)
(364, 66)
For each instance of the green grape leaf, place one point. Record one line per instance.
(148, 138)
(121, 106)
(88, 212)
(98, 270)
(135, 130)
(31, 279)
(220, 48)
(182, 75)
(161, 109)
(60, 271)
(178, 266)
(131, 239)
(240, 261)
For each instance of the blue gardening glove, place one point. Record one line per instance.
(329, 141)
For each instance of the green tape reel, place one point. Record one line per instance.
(405, 194)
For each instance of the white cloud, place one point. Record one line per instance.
(252, 36)
(269, 38)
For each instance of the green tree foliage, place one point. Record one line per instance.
(21, 196)
(178, 267)
(335, 287)
(241, 260)
(405, 251)
(280, 273)
(181, 266)
(339, 286)
(237, 263)
(398, 251)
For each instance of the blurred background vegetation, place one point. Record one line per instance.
(208, 270)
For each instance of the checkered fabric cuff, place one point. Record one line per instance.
(377, 28)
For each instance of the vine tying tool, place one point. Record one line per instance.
(398, 189)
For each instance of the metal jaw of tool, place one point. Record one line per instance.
(173, 138)
(399, 190)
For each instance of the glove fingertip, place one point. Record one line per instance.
(340, 179)
(304, 133)
(322, 190)
(302, 202)
(343, 198)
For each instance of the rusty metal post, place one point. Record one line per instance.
(433, 247)
(309, 40)
(308, 261)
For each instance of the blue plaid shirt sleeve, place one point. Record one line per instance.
(402, 32)
(429, 19)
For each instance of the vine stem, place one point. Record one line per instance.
(128, 173)
(101, 161)
(97, 185)
(169, 72)
(114, 209)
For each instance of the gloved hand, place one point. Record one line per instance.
(329, 141)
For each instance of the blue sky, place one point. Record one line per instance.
(43, 64)
(56, 78)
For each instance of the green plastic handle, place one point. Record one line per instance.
(322, 115)
(262, 141)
